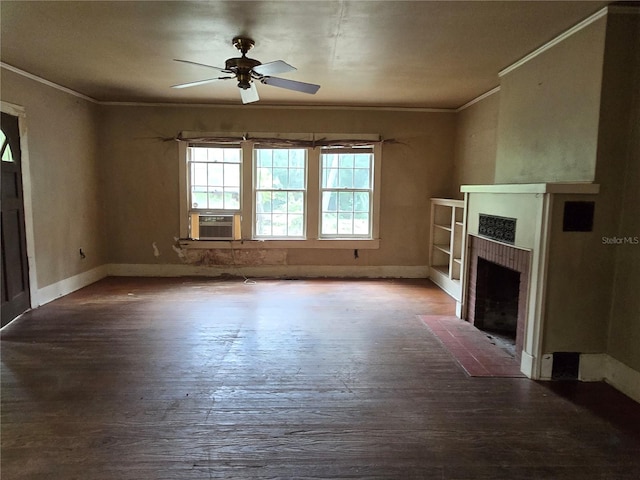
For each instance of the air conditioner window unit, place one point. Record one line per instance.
(213, 227)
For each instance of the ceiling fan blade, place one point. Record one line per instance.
(249, 95)
(199, 82)
(291, 84)
(202, 65)
(273, 68)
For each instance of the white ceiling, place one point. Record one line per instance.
(363, 53)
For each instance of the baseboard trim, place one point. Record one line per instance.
(527, 365)
(277, 271)
(595, 367)
(69, 285)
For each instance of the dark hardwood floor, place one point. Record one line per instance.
(294, 379)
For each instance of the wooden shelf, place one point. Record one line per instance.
(443, 248)
(443, 227)
(446, 255)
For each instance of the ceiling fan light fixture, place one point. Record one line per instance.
(244, 80)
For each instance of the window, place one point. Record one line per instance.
(214, 178)
(7, 154)
(280, 185)
(347, 192)
(283, 191)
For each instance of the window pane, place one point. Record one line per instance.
(296, 226)
(263, 224)
(346, 179)
(329, 202)
(280, 202)
(215, 174)
(214, 155)
(361, 178)
(231, 175)
(231, 155)
(199, 198)
(345, 223)
(296, 178)
(279, 224)
(232, 199)
(329, 223)
(345, 201)
(263, 202)
(216, 199)
(264, 158)
(346, 161)
(362, 160)
(280, 178)
(295, 202)
(361, 223)
(198, 154)
(264, 178)
(281, 158)
(199, 174)
(296, 158)
(361, 202)
(7, 155)
(330, 178)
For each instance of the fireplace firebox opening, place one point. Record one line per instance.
(497, 297)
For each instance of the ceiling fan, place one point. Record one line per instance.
(247, 70)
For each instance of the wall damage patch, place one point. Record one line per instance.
(252, 257)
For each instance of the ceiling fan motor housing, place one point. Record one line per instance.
(242, 67)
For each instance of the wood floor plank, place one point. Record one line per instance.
(193, 378)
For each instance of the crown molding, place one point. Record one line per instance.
(478, 99)
(560, 38)
(280, 107)
(44, 81)
(69, 91)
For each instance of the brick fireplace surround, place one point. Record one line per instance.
(506, 256)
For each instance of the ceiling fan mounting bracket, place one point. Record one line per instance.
(244, 44)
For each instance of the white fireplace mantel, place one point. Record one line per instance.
(558, 188)
(537, 208)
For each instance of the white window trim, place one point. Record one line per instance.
(248, 205)
(373, 207)
(304, 191)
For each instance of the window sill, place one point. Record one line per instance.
(344, 244)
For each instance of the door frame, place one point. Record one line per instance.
(19, 111)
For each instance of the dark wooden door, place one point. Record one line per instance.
(15, 269)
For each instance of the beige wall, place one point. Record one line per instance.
(578, 293)
(66, 192)
(549, 106)
(619, 169)
(475, 148)
(141, 175)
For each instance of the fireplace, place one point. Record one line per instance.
(524, 228)
(498, 288)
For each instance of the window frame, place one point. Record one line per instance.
(208, 210)
(256, 189)
(353, 190)
(313, 207)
